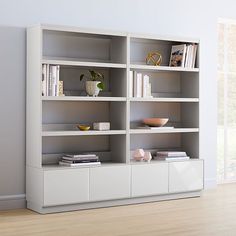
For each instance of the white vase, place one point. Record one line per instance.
(92, 88)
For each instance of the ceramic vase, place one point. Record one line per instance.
(92, 88)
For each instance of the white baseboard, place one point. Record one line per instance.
(210, 183)
(9, 202)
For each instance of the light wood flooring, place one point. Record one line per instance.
(212, 214)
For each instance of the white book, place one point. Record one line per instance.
(47, 79)
(150, 127)
(190, 56)
(53, 80)
(187, 56)
(135, 84)
(171, 153)
(139, 85)
(188, 59)
(145, 84)
(131, 83)
(50, 81)
(44, 74)
(194, 55)
(79, 164)
(172, 158)
(80, 155)
(57, 81)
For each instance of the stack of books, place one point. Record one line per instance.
(140, 85)
(171, 156)
(80, 160)
(183, 55)
(50, 80)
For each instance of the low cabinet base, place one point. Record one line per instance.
(129, 201)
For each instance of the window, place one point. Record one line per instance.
(226, 163)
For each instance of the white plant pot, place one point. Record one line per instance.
(92, 88)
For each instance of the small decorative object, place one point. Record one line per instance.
(149, 90)
(154, 58)
(138, 154)
(101, 126)
(177, 57)
(61, 92)
(156, 122)
(94, 83)
(83, 127)
(147, 156)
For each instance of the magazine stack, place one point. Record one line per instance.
(171, 156)
(80, 160)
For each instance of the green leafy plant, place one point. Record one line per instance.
(94, 76)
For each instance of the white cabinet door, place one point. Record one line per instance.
(149, 179)
(66, 186)
(185, 176)
(109, 183)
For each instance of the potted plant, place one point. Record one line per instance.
(94, 82)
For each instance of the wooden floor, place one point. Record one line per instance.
(212, 214)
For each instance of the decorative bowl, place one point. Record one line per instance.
(156, 122)
(83, 127)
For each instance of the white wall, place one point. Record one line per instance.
(189, 18)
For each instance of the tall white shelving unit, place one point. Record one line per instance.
(51, 121)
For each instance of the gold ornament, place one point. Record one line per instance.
(154, 58)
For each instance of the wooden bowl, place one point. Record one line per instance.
(83, 127)
(155, 122)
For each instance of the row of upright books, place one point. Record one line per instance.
(140, 85)
(171, 155)
(80, 160)
(183, 55)
(51, 84)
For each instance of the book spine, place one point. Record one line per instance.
(44, 74)
(187, 57)
(194, 56)
(57, 80)
(79, 164)
(131, 83)
(176, 158)
(53, 80)
(135, 84)
(139, 85)
(184, 55)
(47, 80)
(191, 56)
(183, 154)
(50, 81)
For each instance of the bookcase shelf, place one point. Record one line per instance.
(84, 98)
(52, 120)
(82, 133)
(58, 167)
(71, 62)
(164, 99)
(162, 68)
(161, 131)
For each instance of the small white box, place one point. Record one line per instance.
(101, 126)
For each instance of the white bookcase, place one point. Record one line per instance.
(51, 121)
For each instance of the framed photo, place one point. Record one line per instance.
(177, 57)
